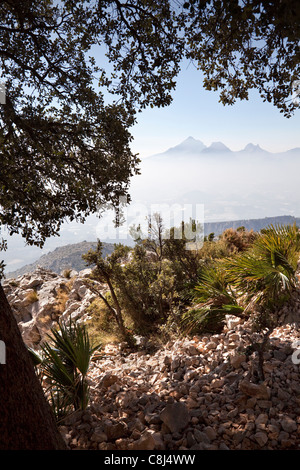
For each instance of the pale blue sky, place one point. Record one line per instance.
(196, 112)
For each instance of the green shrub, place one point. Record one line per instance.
(266, 272)
(148, 281)
(102, 327)
(254, 281)
(214, 300)
(101, 316)
(65, 363)
(212, 250)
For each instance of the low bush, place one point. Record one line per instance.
(254, 281)
(65, 363)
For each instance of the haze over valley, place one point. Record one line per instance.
(251, 183)
(229, 185)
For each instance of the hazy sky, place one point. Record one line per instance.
(198, 113)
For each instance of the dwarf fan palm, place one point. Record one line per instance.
(266, 272)
(215, 299)
(66, 360)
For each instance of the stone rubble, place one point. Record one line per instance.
(196, 393)
(190, 396)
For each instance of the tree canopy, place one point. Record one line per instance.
(244, 45)
(65, 148)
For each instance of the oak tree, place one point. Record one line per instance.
(244, 45)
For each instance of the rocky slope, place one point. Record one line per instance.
(196, 393)
(40, 298)
(63, 257)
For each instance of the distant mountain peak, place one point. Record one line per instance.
(189, 145)
(217, 147)
(192, 140)
(295, 151)
(250, 148)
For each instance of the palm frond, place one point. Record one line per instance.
(66, 360)
(60, 404)
(208, 317)
(267, 270)
(215, 300)
(263, 275)
(213, 284)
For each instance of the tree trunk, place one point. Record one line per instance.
(26, 419)
(118, 310)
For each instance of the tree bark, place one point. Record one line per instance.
(26, 419)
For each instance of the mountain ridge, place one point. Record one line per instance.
(192, 146)
(250, 224)
(63, 257)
